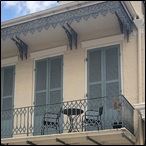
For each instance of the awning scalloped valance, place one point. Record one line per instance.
(68, 17)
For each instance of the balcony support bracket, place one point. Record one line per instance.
(89, 138)
(62, 142)
(30, 142)
(124, 135)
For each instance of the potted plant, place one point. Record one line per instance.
(118, 107)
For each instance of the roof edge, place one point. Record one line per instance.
(129, 9)
(49, 12)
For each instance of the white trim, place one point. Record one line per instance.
(86, 74)
(48, 52)
(121, 68)
(102, 41)
(9, 61)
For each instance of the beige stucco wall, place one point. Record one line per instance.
(129, 67)
(74, 72)
(23, 83)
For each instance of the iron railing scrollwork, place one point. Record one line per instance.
(116, 112)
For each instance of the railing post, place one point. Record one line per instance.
(28, 121)
(122, 110)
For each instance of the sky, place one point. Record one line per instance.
(15, 9)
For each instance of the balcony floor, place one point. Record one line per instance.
(103, 137)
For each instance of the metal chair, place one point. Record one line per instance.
(51, 121)
(92, 118)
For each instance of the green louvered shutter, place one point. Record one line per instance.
(7, 97)
(40, 94)
(112, 71)
(112, 79)
(94, 77)
(55, 80)
(55, 87)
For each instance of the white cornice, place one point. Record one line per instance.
(139, 23)
(101, 41)
(9, 61)
(48, 52)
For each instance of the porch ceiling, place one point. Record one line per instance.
(58, 35)
(104, 137)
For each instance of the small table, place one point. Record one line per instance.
(73, 114)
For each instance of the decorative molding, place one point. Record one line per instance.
(139, 23)
(9, 61)
(101, 41)
(48, 52)
(141, 108)
(69, 17)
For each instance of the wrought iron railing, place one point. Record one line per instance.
(72, 116)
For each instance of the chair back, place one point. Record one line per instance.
(59, 113)
(91, 114)
(48, 116)
(100, 111)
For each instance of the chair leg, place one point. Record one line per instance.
(85, 127)
(97, 127)
(101, 126)
(42, 131)
(58, 128)
(82, 127)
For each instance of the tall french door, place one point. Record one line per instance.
(7, 99)
(103, 79)
(48, 89)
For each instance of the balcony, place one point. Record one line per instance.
(71, 122)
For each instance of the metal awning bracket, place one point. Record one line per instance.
(120, 23)
(22, 47)
(69, 35)
(75, 35)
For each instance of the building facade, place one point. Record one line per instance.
(73, 74)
